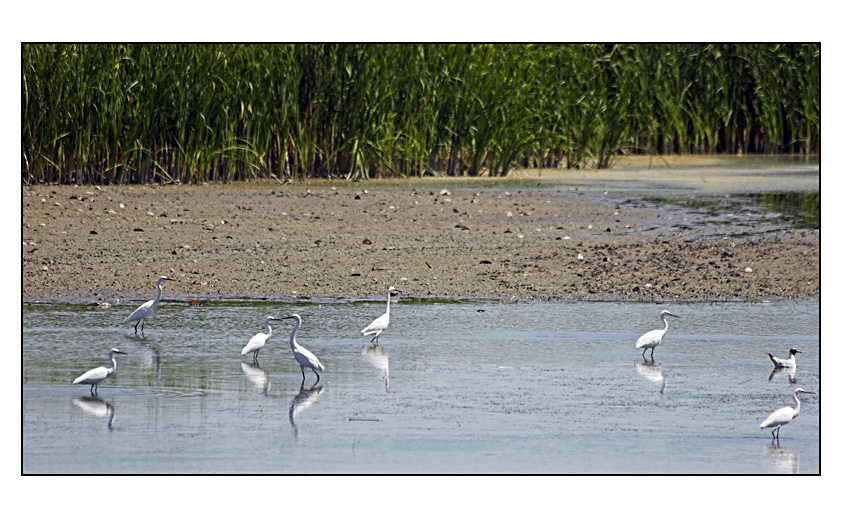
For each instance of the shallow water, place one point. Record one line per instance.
(468, 387)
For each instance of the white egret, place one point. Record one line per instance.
(303, 356)
(653, 338)
(783, 416)
(789, 362)
(145, 310)
(97, 375)
(259, 340)
(379, 325)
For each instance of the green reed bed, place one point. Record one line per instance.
(196, 113)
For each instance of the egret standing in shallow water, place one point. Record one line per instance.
(790, 362)
(653, 338)
(303, 356)
(97, 375)
(379, 325)
(783, 416)
(145, 310)
(259, 340)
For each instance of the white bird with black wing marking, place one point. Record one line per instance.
(789, 362)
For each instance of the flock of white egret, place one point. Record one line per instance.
(307, 360)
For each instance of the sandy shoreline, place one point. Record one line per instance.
(110, 243)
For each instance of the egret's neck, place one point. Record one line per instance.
(160, 292)
(268, 330)
(664, 318)
(387, 302)
(113, 360)
(293, 344)
(798, 405)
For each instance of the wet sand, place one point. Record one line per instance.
(431, 237)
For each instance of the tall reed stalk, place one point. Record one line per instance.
(142, 113)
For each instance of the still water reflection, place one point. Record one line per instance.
(538, 387)
(302, 401)
(257, 376)
(95, 406)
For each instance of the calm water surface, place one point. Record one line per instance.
(470, 387)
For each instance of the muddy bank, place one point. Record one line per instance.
(355, 239)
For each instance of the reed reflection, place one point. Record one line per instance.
(258, 376)
(652, 372)
(378, 358)
(302, 401)
(95, 406)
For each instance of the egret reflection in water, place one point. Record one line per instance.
(258, 376)
(783, 459)
(652, 372)
(95, 406)
(301, 402)
(378, 358)
(148, 354)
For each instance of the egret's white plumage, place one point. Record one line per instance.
(653, 338)
(303, 356)
(145, 310)
(789, 362)
(97, 375)
(783, 416)
(259, 340)
(379, 325)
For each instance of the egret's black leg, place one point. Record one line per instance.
(317, 376)
(136, 327)
(302, 375)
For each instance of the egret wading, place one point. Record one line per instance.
(783, 416)
(789, 362)
(259, 340)
(145, 310)
(379, 325)
(303, 356)
(97, 375)
(653, 338)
